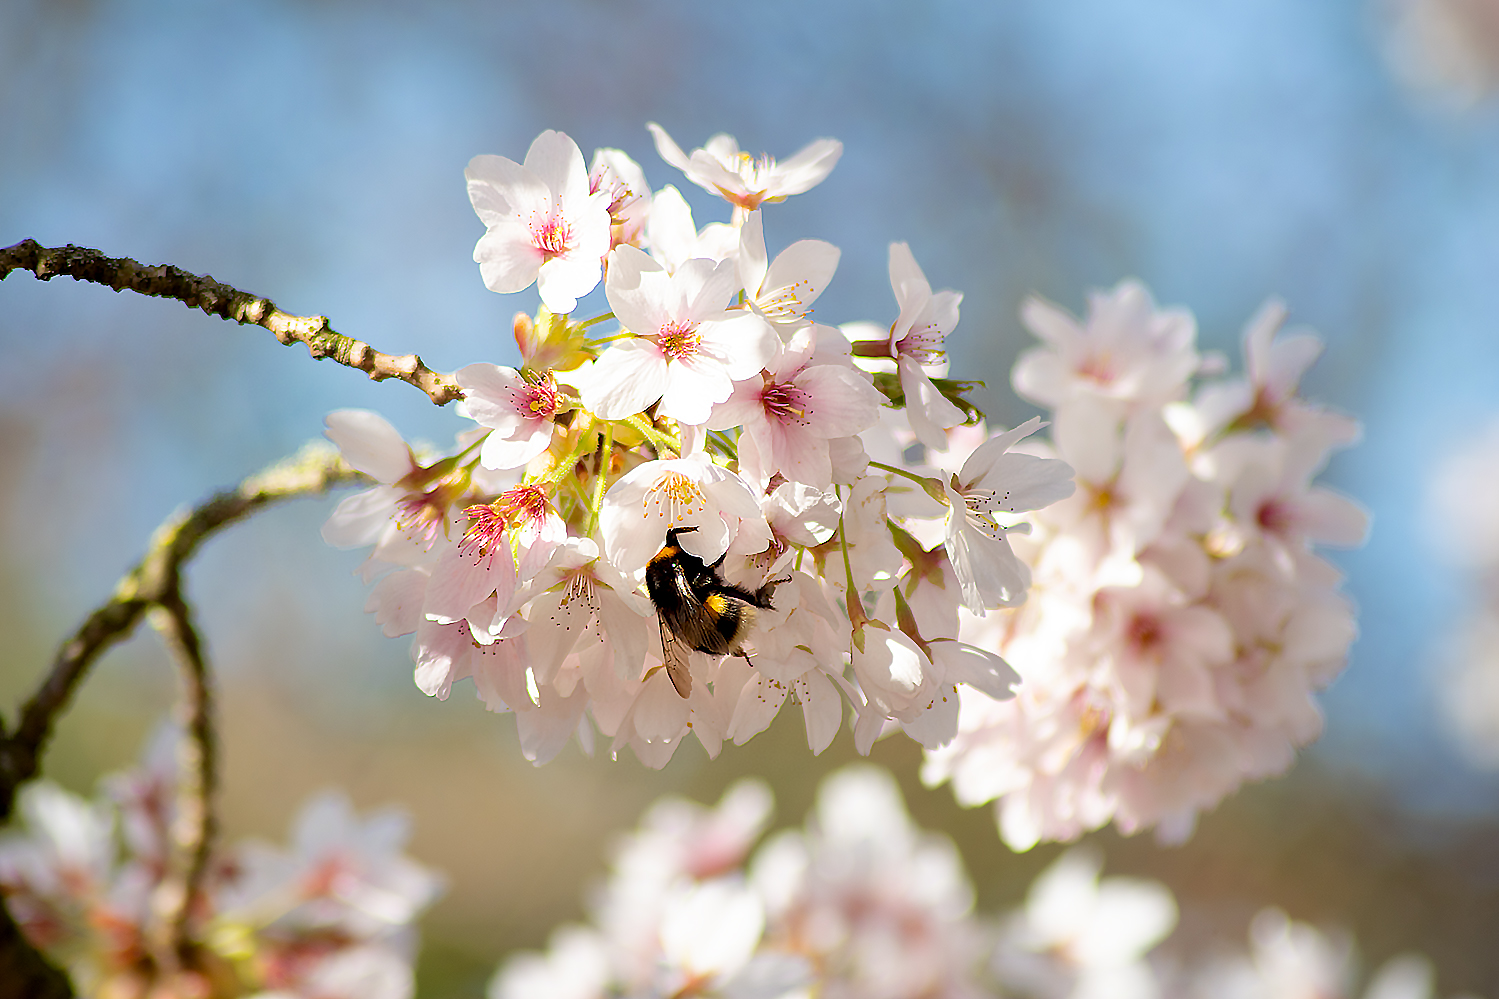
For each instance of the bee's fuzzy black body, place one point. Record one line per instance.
(699, 608)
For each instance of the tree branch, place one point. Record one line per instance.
(226, 302)
(153, 581)
(195, 825)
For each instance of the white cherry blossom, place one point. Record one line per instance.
(673, 238)
(783, 290)
(917, 340)
(545, 223)
(993, 480)
(686, 349)
(795, 406)
(741, 179)
(1127, 352)
(518, 411)
(650, 499)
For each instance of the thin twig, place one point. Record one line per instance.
(226, 302)
(154, 582)
(315, 470)
(195, 823)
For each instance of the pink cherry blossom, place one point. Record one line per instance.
(783, 290)
(1127, 352)
(544, 222)
(916, 340)
(687, 349)
(740, 179)
(795, 405)
(518, 411)
(619, 179)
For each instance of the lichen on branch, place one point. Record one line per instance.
(218, 299)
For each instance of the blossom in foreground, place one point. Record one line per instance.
(861, 905)
(1080, 936)
(1290, 960)
(1181, 621)
(518, 411)
(996, 480)
(917, 340)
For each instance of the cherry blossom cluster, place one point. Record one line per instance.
(861, 904)
(1461, 508)
(709, 402)
(1180, 620)
(332, 917)
(1291, 960)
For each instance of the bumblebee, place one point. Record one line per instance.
(698, 608)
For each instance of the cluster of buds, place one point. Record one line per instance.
(678, 523)
(1180, 622)
(862, 904)
(333, 917)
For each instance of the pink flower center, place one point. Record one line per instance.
(421, 515)
(1275, 517)
(1144, 633)
(784, 402)
(923, 344)
(620, 195)
(678, 340)
(552, 235)
(537, 400)
(520, 510)
(1097, 368)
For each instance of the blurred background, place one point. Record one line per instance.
(1342, 155)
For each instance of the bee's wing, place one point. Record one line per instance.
(674, 656)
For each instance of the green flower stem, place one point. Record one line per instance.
(589, 322)
(565, 467)
(601, 481)
(923, 479)
(661, 442)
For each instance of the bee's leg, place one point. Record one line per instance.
(744, 655)
(767, 591)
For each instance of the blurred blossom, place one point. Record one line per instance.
(1082, 938)
(332, 918)
(1290, 960)
(1181, 621)
(1447, 45)
(1462, 511)
(860, 905)
(1465, 522)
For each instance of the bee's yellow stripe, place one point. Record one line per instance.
(716, 602)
